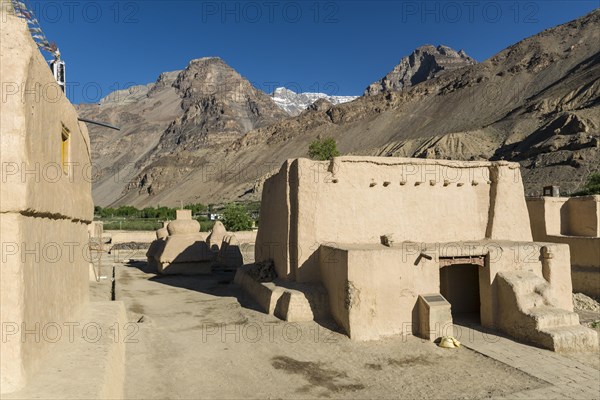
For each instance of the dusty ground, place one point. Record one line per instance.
(589, 315)
(201, 337)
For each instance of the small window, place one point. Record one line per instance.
(65, 136)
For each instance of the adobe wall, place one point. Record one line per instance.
(547, 215)
(272, 238)
(358, 199)
(585, 262)
(583, 216)
(245, 236)
(96, 230)
(131, 236)
(573, 221)
(43, 229)
(568, 216)
(373, 289)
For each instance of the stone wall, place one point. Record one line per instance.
(45, 202)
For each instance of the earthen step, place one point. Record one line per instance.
(570, 338)
(549, 317)
(293, 306)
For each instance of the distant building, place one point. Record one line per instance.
(215, 216)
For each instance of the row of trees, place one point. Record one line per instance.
(235, 217)
(148, 212)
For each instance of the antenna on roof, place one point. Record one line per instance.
(57, 66)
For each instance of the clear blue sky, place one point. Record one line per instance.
(337, 47)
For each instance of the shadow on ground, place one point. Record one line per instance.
(219, 283)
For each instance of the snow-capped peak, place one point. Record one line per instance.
(294, 103)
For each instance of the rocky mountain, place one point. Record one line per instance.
(424, 63)
(294, 103)
(536, 102)
(204, 106)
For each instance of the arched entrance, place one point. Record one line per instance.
(459, 284)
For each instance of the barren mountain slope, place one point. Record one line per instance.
(536, 102)
(206, 105)
(143, 113)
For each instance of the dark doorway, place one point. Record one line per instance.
(459, 284)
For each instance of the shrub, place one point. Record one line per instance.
(323, 150)
(592, 186)
(205, 225)
(236, 218)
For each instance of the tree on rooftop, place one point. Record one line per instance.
(323, 149)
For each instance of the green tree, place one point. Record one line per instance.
(149, 212)
(126, 211)
(196, 208)
(107, 212)
(236, 218)
(323, 149)
(591, 187)
(165, 213)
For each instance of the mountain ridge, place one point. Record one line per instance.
(535, 102)
(424, 63)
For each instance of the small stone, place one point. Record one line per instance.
(387, 240)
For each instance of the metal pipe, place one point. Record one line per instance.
(104, 124)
